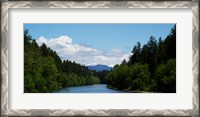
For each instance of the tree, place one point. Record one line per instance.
(170, 44)
(152, 55)
(140, 77)
(124, 62)
(150, 68)
(161, 53)
(44, 50)
(166, 76)
(44, 71)
(145, 54)
(136, 54)
(119, 77)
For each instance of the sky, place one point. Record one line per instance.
(91, 44)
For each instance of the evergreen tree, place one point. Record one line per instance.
(150, 68)
(44, 71)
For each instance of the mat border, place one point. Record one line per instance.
(5, 111)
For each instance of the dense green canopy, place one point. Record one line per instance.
(151, 68)
(44, 71)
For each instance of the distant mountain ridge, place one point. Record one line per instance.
(99, 67)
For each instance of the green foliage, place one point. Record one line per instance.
(119, 77)
(44, 71)
(140, 77)
(134, 77)
(166, 76)
(101, 75)
(150, 68)
(136, 54)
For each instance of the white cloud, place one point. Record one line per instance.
(41, 40)
(116, 50)
(63, 39)
(83, 54)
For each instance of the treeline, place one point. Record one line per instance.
(44, 71)
(101, 75)
(151, 68)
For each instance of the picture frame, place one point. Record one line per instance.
(6, 111)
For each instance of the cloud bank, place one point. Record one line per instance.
(83, 54)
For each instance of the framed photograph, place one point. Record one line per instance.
(100, 58)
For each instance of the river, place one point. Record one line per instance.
(97, 88)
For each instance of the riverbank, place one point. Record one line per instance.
(129, 91)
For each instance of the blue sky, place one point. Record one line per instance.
(106, 38)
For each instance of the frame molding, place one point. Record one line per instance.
(5, 111)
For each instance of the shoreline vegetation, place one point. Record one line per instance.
(150, 68)
(45, 72)
(131, 91)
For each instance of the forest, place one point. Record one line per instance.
(150, 68)
(44, 71)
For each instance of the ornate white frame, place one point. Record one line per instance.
(5, 111)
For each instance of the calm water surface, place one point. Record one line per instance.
(98, 88)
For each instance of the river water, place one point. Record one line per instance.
(98, 88)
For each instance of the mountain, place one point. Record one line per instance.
(99, 67)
